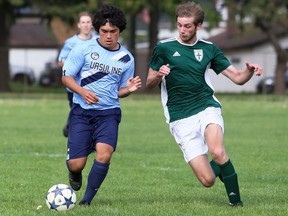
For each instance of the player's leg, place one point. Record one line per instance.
(202, 169)
(98, 171)
(106, 135)
(75, 167)
(221, 164)
(70, 100)
(187, 134)
(78, 146)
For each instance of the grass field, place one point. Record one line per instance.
(148, 175)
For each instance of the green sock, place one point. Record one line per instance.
(216, 169)
(230, 181)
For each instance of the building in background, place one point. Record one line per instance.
(32, 44)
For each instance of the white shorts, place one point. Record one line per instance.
(189, 132)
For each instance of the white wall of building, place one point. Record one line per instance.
(263, 55)
(33, 58)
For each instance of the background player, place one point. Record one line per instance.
(85, 33)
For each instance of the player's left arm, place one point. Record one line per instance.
(63, 54)
(133, 84)
(241, 77)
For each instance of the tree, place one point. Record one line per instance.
(6, 20)
(131, 8)
(271, 18)
(58, 8)
(9, 11)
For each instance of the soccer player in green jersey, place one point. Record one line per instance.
(180, 66)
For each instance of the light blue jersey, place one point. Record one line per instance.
(101, 71)
(69, 44)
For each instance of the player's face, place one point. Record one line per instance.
(85, 25)
(187, 29)
(108, 36)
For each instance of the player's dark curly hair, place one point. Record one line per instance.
(109, 14)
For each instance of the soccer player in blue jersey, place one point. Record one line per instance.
(99, 72)
(180, 66)
(85, 34)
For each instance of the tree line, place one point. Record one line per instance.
(265, 15)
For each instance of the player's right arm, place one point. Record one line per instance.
(64, 52)
(154, 77)
(88, 96)
(72, 67)
(60, 64)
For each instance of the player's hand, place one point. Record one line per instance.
(134, 84)
(164, 70)
(89, 96)
(254, 68)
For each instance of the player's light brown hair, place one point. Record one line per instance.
(83, 13)
(191, 9)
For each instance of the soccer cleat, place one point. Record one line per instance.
(84, 203)
(75, 180)
(238, 204)
(65, 130)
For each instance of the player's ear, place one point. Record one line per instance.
(198, 26)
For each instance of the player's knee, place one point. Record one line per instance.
(104, 157)
(208, 182)
(219, 155)
(104, 152)
(76, 165)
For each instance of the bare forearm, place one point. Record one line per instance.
(60, 64)
(153, 79)
(133, 84)
(241, 77)
(88, 96)
(69, 82)
(123, 92)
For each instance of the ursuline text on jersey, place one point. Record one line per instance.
(105, 68)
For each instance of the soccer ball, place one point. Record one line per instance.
(60, 197)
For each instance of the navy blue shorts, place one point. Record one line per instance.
(88, 127)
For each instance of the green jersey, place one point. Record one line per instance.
(187, 90)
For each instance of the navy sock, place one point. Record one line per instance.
(96, 176)
(230, 181)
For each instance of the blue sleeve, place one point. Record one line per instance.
(74, 62)
(65, 51)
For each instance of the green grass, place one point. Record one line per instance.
(148, 175)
